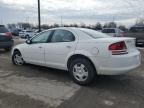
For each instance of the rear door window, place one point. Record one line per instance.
(62, 36)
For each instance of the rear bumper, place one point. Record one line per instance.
(7, 44)
(118, 64)
(117, 71)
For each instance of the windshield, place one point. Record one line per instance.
(94, 34)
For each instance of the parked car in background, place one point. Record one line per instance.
(6, 40)
(140, 42)
(138, 33)
(136, 29)
(26, 34)
(16, 32)
(83, 52)
(115, 32)
(36, 31)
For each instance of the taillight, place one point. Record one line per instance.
(8, 34)
(118, 48)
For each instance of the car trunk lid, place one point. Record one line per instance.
(129, 42)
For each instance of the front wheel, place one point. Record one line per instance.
(17, 58)
(82, 71)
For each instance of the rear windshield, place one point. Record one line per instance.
(108, 31)
(3, 30)
(94, 34)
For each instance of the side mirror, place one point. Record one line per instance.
(28, 41)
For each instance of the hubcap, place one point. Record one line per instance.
(18, 59)
(80, 72)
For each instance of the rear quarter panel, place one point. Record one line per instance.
(95, 51)
(93, 48)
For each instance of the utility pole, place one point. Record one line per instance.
(113, 18)
(61, 21)
(39, 18)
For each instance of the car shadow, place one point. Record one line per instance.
(114, 79)
(109, 91)
(29, 71)
(125, 84)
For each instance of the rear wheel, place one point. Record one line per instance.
(17, 58)
(82, 71)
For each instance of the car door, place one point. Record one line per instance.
(62, 44)
(34, 53)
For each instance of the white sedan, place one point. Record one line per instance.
(26, 34)
(83, 52)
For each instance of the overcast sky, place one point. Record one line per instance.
(72, 11)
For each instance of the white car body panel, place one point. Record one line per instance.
(56, 55)
(32, 53)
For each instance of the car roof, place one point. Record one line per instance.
(66, 28)
(61, 28)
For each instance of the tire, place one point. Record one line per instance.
(87, 72)
(17, 58)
